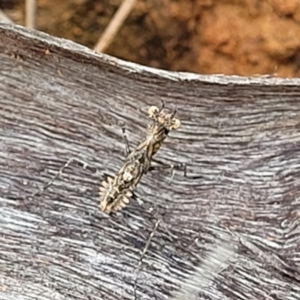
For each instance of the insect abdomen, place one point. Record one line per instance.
(113, 196)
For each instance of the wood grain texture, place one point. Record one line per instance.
(239, 136)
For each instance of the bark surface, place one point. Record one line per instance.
(230, 229)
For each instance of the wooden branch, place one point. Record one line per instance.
(240, 136)
(30, 14)
(115, 25)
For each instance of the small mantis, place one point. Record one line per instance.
(116, 191)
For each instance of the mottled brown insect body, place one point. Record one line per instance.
(115, 192)
(114, 196)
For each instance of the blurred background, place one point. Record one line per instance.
(233, 37)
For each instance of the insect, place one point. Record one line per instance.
(116, 191)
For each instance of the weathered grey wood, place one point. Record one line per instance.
(239, 135)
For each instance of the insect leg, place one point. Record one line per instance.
(181, 166)
(125, 140)
(174, 167)
(72, 160)
(143, 254)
